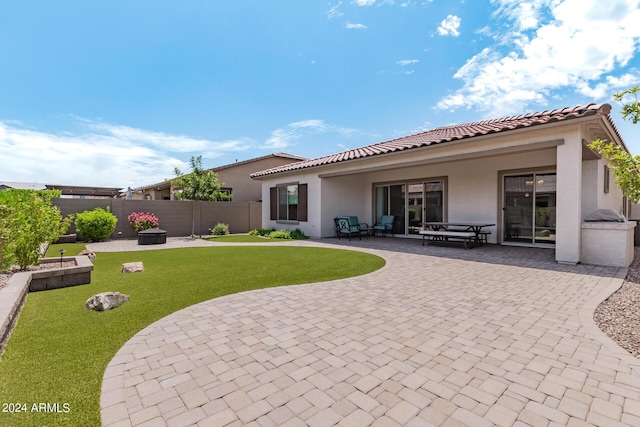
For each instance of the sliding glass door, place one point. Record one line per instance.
(529, 208)
(411, 203)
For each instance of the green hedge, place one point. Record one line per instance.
(96, 225)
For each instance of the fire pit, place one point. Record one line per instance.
(152, 236)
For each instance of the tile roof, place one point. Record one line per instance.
(446, 134)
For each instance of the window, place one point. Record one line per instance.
(606, 178)
(411, 203)
(289, 202)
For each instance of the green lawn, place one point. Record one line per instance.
(59, 350)
(243, 238)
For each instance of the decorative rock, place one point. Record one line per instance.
(88, 253)
(132, 267)
(106, 301)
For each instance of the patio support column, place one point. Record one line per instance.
(568, 199)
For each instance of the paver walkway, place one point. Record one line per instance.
(439, 336)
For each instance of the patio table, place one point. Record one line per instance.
(476, 227)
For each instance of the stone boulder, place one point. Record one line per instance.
(89, 253)
(106, 301)
(132, 267)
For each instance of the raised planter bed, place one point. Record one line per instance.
(54, 278)
(14, 293)
(152, 236)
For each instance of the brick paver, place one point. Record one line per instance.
(439, 336)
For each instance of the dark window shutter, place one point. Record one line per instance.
(273, 201)
(302, 202)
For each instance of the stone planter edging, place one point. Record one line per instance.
(14, 293)
(54, 278)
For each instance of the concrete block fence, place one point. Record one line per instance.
(176, 217)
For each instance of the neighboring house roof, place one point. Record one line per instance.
(230, 165)
(256, 159)
(77, 190)
(67, 190)
(22, 185)
(446, 134)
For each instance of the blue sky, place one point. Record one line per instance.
(119, 93)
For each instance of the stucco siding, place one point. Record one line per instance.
(236, 176)
(346, 195)
(311, 227)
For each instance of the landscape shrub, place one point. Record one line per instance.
(280, 234)
(96, 225)
(28, 220)
(264, 232)
(141, 221)
(220, 229)
(272, 233)
(298, 234)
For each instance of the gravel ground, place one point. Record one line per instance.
(4, 276)
(619, 315)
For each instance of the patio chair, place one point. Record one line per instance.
(349, 225)
(385, 225)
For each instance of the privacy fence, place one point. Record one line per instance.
(176, 217)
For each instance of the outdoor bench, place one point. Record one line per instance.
(468, 238)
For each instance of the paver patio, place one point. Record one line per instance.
(439, 336)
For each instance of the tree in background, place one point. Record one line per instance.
(624, 165)
(199, 184)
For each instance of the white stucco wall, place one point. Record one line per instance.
(612, 199)
(310, 227)
(590, 188)
(608, 244)
(345, 195)
(568, 199)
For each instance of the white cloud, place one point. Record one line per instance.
(610, 85)
(333, 11)
(526, 14)
(313, 124)
(350, 26)
(405, 62)
(581, 42)
(290, 134)
(364, 2)
(106, 155)
(449, 26)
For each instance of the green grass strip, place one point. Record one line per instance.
(59, 350)
(70, 249)
(243, 238)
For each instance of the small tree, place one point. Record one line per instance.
(199, 184)
(624, 166)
